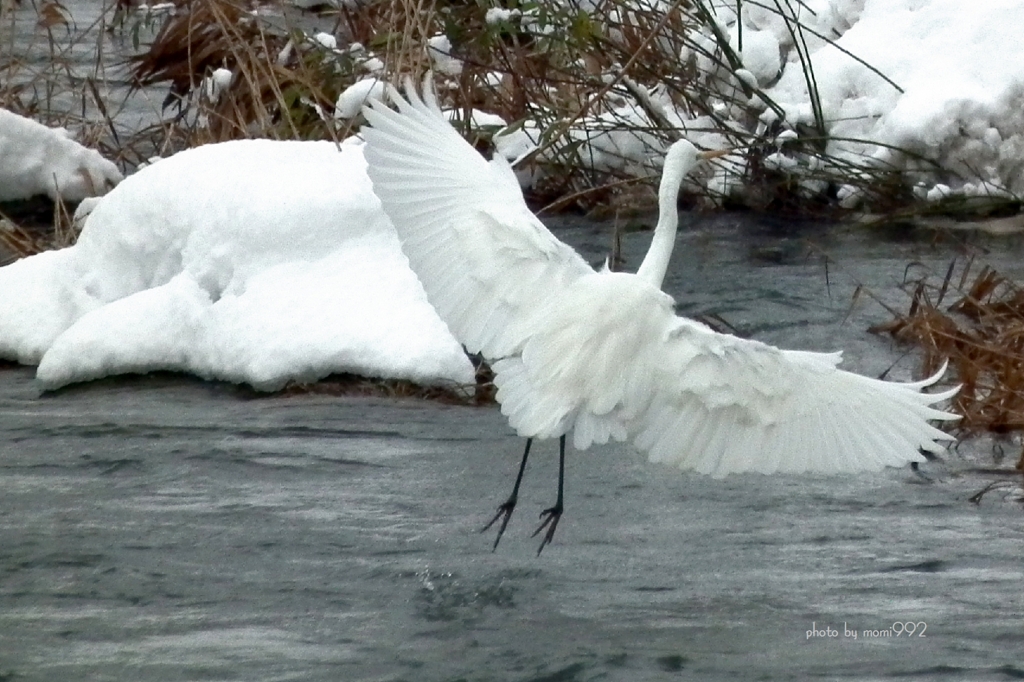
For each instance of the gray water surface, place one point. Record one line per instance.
(163, 528)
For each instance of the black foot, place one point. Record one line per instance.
(504, 513)
(551, 516)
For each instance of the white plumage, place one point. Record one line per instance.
(603, 354)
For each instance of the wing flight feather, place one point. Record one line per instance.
(483, 258)
(740, 405)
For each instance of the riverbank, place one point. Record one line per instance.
(584, 98)
(826, 111)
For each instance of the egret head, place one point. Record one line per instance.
(682, 157)
(680, 160)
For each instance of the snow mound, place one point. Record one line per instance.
(254, 261)
(961, 72)
(360, 93)
(931, 87)
(35, 159)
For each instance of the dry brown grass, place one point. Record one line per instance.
(280, 86)
(482, 393)
(21, 242)
(557, 66)
(549, 78)
(981, 333)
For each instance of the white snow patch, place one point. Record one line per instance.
(359, 93)
(439, 48)
(326, 40)
(747, 78)
(761, 55)
(497, 15)
(35, 159)
(216, 83)
(961, 70)
(372, 65)
(780, 162)
(253, 261)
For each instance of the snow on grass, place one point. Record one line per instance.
(352, 99)
(959, 70)
(931, 87)
(439, 48)
(256, 262)
(37, 160)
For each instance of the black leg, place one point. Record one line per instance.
(505, 510)
(551, 515)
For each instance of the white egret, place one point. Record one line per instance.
(603, 354)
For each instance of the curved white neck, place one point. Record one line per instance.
(656, 261)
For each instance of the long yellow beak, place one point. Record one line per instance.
(714, 153)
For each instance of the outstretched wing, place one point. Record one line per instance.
(723, 404)
(603, 354)
(483, 258)
(610, 359)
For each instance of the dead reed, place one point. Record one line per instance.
(481, 393)
(610, 75)
(981, 333)
(275, 84)
(18, 241)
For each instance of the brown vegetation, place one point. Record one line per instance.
(548, 65)
(481, 393)
(276, 88)
(981, 334)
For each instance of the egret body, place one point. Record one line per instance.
(603, 355)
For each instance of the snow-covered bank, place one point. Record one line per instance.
(35, 159)
(941, 79)
(256, 262)
(934, 88)
(961, 70)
